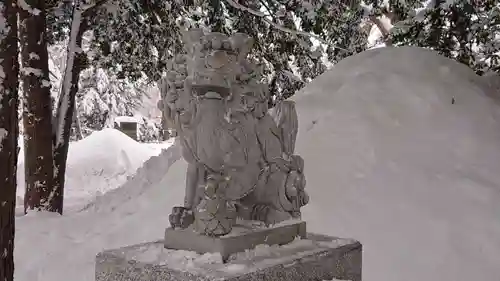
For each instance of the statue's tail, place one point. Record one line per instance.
(286, 118)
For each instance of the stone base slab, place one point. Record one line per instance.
(317, 257)
(242, 237)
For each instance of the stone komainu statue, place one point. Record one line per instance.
(240, 155)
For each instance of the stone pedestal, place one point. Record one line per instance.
(314, 258)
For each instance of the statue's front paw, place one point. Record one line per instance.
(181, 217)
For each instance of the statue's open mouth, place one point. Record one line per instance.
(211, 91)
(204, 82)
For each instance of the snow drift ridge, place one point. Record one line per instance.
(150, 174)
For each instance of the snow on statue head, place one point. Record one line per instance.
(240, 156)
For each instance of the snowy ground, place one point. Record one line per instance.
(390, 160)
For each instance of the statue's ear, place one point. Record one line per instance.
(191, 38)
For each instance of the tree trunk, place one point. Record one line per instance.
(9, 131)
(66, 106)
(37, 112)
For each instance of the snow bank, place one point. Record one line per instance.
(100, 162)
(150, 174)
(64, 248)
(402, 151)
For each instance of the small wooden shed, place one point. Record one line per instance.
(127, 125)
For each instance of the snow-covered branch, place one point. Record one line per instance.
(263, 16)
(25, 6)
(383, 23)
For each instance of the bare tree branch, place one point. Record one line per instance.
(268, 9)
(263, 16)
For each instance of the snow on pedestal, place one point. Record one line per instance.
(317, 257)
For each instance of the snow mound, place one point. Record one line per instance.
(98, 163)
(402, 152)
